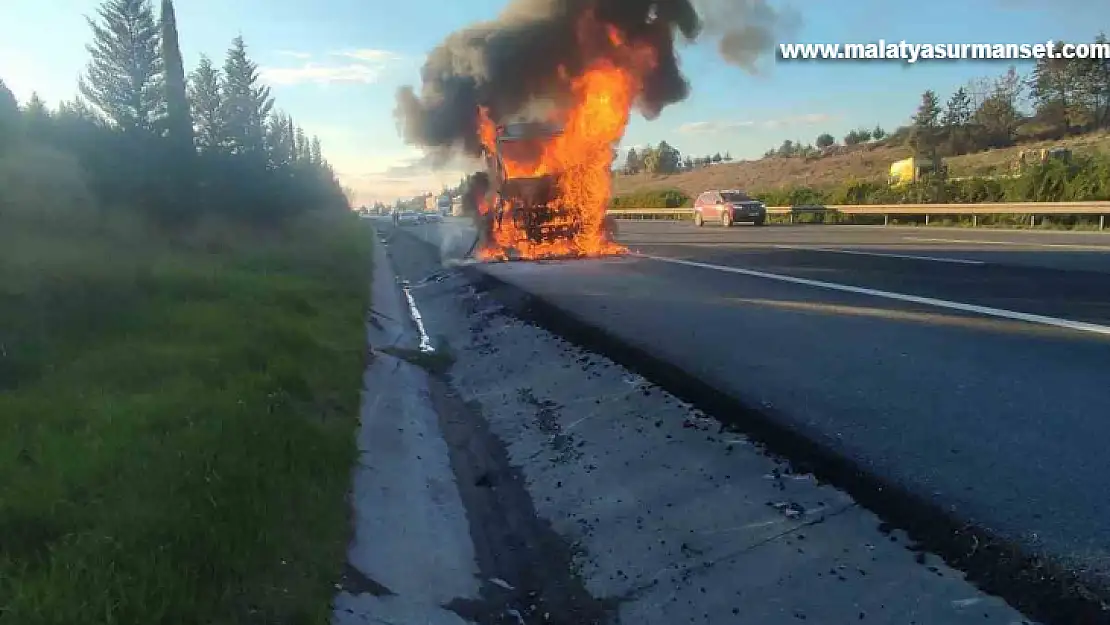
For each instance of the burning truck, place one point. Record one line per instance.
(547, 179)
(518, 206)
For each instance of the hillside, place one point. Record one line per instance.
(869, 162)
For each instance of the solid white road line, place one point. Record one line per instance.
(956, 261)
(902, 297)
(1091, 248)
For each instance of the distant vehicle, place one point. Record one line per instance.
(408, 218)
(728, 206)
(915, 169)
(443, 204)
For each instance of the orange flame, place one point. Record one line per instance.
(580, 158)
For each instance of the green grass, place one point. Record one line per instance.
(177, 421)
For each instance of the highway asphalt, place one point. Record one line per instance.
(969, 382)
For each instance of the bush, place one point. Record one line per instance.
(663, 198)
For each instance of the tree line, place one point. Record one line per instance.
(175, 146)
(666, 159)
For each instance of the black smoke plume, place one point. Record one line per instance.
(509, 63)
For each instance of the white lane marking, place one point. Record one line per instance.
(956, 261)
(1014, 243)
(1081, 326)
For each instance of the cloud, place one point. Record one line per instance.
(713, 127)
(321, 74)
(294, 54)
(358, 66)
(369, 55)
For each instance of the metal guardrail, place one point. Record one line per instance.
(1033, 209)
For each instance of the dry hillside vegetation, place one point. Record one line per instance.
(868, 162)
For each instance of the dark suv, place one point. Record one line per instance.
(728, 206)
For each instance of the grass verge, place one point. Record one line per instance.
(176, 420)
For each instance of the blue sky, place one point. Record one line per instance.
(336, 64)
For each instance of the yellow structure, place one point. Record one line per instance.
(913, 169)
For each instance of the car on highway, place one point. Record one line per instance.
(433, 217)
(408, 218)
(728, 206)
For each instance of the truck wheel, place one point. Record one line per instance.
(726, 219)
(760, 221)
(698, 221)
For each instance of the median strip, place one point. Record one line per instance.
(903, 297)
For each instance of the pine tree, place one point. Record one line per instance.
(207, 103)
(926, 122)
(315, 153)
(294, 147)
(279, 142)
(179, 124)
(304, 154)
(247, 103)
(10, 122)
(36, 117)
(124, 78)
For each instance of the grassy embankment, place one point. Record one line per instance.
(858, 176)
(176, 412)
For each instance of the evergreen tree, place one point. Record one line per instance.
(315, 153)
(179, 124)
(247, 103)
(924, 134)
(957, 112)
(10, 121)
(878, 133)
(124, 77)
(207, 104)
(279, 142)
(36, 117)
(294, 146)
(303, 151)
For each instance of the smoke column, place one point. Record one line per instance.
(509, 63)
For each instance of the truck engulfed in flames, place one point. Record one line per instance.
(548, 182)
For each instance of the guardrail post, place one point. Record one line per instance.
(926, 219)
(1102, 222)
(974, 221)
(1032, 221)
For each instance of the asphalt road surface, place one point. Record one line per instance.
(971, 366)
